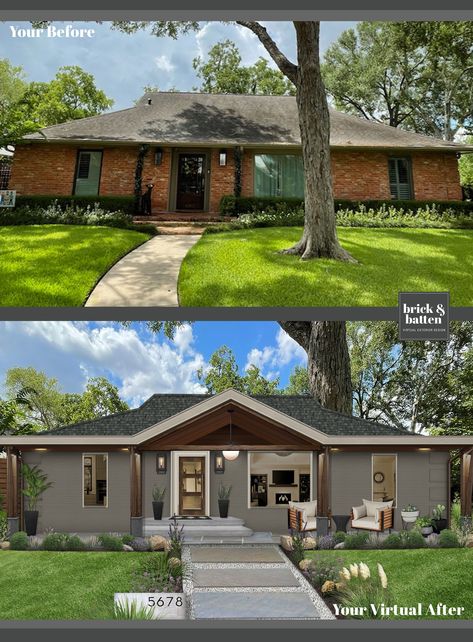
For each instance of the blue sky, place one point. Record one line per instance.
(123, 64)
(138, 362)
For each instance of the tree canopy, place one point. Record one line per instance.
(415, 75)
(223, 73)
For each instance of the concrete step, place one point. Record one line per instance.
(216, 527)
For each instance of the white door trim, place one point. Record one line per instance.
(175, 477)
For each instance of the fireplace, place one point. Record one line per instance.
(283, 498)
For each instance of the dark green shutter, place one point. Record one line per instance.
(89, 164)
(400, 178)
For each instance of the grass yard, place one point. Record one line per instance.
(243, 268)
(39, 585)
(430, 576)
(58, 265)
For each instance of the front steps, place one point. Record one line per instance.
(214, 528)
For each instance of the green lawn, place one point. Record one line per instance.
(243, 268)
(58, 265)
(39, 585)
(429, 576)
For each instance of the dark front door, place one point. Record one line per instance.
(190, 182)
(191, 485)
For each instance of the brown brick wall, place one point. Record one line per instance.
(3, 483)
(222, 179)
(50, 169)
(435, 176)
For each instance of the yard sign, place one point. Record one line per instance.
(7, 197)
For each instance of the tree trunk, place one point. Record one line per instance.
(319, 239)
(328, 361)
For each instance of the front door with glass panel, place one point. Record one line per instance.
(190, 182)
(191, 485)
(89, 164)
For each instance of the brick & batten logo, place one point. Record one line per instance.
(424, 316)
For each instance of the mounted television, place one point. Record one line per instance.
(283, 477)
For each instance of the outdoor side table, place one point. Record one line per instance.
(341, 522)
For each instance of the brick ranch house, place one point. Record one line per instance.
(196, 148)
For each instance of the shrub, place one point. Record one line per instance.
(323, 568)
(55, 542)
(356, 540)
(127, 539)
(74, 543)
(339, 537)
(19, 541)
(448, 539)
(140, 544)
(158, 574)
(108, 203)
(326, 542)
(365, 590)
(391, 541)
(297, 553)
(232, 205)
(3, 525)
(412, 539)
(110, 542)
(176, 538)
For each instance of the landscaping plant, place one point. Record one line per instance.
(35, 484)
(3, 525)
(19, 541)
(449, 539)
(132, 610)
(360, 588)
(110, 542)
(321, 569)
(176, 538)
(297, 552)
(160, 573)
(356, 540)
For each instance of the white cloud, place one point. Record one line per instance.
(163, 63)
(72, 351)
(284, 352)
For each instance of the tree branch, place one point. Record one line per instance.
(288, 68)
(299, 331)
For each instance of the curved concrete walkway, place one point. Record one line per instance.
(146, 276)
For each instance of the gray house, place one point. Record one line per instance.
(272, 450)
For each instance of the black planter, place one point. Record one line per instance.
(223, 505)
(439, 525)
(158, 510)
(31, 521)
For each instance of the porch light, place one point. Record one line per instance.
(158, 156)
(219, 463)
(41, 449)
(161, 463)
(231, 454)
(223, 157)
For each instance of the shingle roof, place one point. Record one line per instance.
(162, 406)
(227, 119)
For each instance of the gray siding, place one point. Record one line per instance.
(421, 480)
(61, 506)
(150, 479)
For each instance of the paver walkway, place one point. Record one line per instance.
(146, 276)
(248, 582)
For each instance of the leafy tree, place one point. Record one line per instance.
(319, 238)
(406, 74)
(100, 398)
(43, 396)
(13, 420)
(12, 88)
(223, 373)
(223, 73)
(465, 165)
(298, 382)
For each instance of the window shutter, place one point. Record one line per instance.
(400, 178)
(84, 165)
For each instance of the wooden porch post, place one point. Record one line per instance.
(466, 483)
(13, 514)
(322, 483)
(136, 492)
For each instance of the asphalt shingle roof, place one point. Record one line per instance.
(162, 406)
(227, 119)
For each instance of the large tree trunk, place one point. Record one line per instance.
(319, 239)
(328, 361)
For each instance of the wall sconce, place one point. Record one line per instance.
(219, 463)
(158, 156)
(161, 463)
(223, 157)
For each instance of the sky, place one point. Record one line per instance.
(123, 64)
(139, 362)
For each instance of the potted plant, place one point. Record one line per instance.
(158, 496)
(224, 491)
(35, 484)
(425, 525)
(409, 513)
(438, 522)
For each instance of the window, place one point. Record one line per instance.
(384, 473)
(279, 175)
(89, 164)
(275, 479)
(400, 178)
(94, 480)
